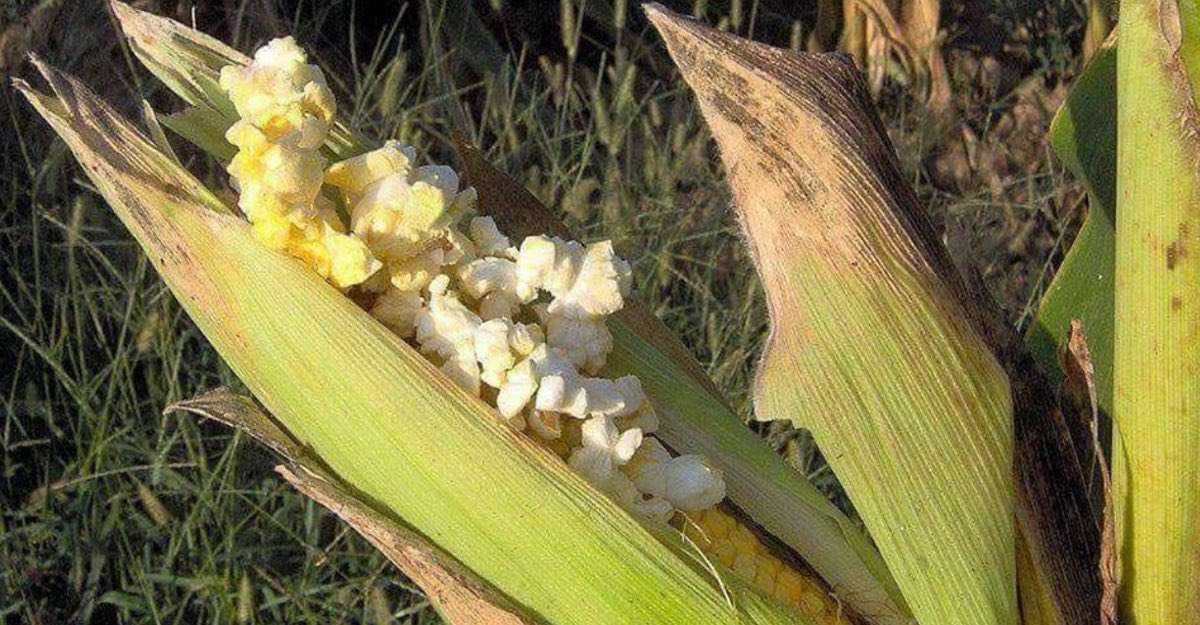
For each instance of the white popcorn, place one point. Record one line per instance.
(687, 481)
(462, 369)
(547, 425)
(586, 342)
(654, 510)
(548, 263)
(398, 310)
(487, 275)
(644, 418)
(353, 175)
(499, 344)
(439, 178)
(279, 89)
(603, 448)
(488, 239)
(597, 288)
(492, 351)
(498, 304)
(524, 338)
(447, 328)
(461, 250)
(518, 388)
(397, 219)
(561, 388)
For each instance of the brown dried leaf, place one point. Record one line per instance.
(1080, 373)
(1079, 382)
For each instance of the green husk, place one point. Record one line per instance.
(412, 444)
(1156, 379)
(870, 347)
(695, 419)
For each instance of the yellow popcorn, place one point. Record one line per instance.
(278, 89)
(286, 110)
(353, 175)
(340, 258)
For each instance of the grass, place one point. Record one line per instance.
(111, 512)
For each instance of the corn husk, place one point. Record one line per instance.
(870, 346)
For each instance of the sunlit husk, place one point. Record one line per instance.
(870, 346)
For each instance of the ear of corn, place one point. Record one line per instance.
(377, 413)
(870, 347)
(694, 419)
(1156, 399)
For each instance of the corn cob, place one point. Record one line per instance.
(725, 539)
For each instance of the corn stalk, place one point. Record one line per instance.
(1156, 379)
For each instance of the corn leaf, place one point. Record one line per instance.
(870, 346)
(377, 413)
(695, 419)
(1156, 377)
(1084, 137)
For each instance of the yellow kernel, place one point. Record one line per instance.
(743, 566)
(725, 553)
(812, 601)
(768, 564)
(744, 539)
(789, 586)
(764, 580)
(717, 523)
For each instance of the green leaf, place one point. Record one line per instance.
(377, 413)
(1084, 136)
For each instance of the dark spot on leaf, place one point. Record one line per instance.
(1176, 302)
(1175, 252)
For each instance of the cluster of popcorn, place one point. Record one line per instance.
(522, 327)
(286, 110)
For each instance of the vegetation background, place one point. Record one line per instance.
(111, 512)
